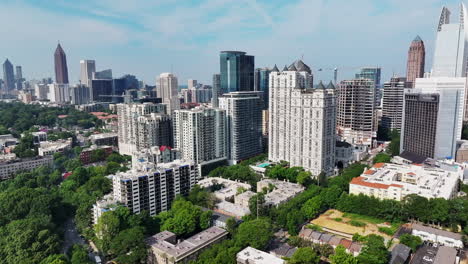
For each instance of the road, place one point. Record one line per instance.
(72, 237)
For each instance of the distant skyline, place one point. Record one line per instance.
(145, 39)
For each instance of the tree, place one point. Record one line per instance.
(231, 225)
(304, 178)
(304, 256)
(257, 205)
(79, 255)
(129, 245)
(255, 233)
(341, 257)
(312, 207)
(394, 146)
(294, 219)
(205, 219)
(374, 251)
(55, 259)
(382, 157)
(97, 155)
(411, 241)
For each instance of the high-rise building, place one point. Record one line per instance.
(262, 78)
(102, 75)
(216, 89)
(416, 61)
(200, 134)
(101, 90)
(19, 78)
(392, 106)
(450, 55)
(192, 84)
(356, 111)
(154, 129)
(374, 74)
(433, 117)
(80, 94)
(237, 71)
(61, 69)
(87, 68)
(8, 77)
(41, 91)
(301, 121)
(128, 126)
(244, 124)
(167, 89)
(59, 93)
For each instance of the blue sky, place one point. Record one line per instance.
(148, 37)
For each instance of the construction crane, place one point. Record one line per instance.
(335, 71)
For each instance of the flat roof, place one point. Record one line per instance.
(255, 256)
(435, 231)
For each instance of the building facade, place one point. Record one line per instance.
(237, 71)
(262, 79)
(87, 68)
(216, 89)
(8, 77)
(301, 121)
(356, 111)
(392, 104)
(101, 90)
(243, 124)
(80, 94)
(10, 168)
(61, 69)
(416, 61)
(167, 89)
(59, 93)
(200, 133)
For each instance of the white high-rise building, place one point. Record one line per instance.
(87, 67)
(192, 84)
(41, 91)
(450, 56)
(244, 124)
(138, 129)
(200, 134)
(167, 90)
(59, 93)
(301, 120)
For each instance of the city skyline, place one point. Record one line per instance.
(191, 33)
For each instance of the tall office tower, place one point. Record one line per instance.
(392, 107)
(374, 74)
(8, 77)
(80, 94)
(167, 90)
(41, 91)
(154, 129)
(416, 61)
(433, 117)
(262, 78)
(59, 93)
(356, 111)
(154, 187)
(244, 124)
(19, 78)
(301, 121)
(450, 55)
(101, 90)
(103, 75)
(128, 130)
(192, 84)
(61, 69)
(87, 68)
(200, 134)
(237, 71)
(216, 89)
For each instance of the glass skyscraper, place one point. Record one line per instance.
(262, 76)
(237, 71)
(370, 73)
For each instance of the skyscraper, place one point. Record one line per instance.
(192, 84)
(237, 71)
(356, 111)
(19, 78)
(200, 134)
(216, 89)
(59, 93)
(450, 56)
(374, 74)
(416, 61)
(301, 120)
(392, 106)
(87, 68)
(8, 77)
(167, 89)
(244, 124)
(262, 78)
(61, 69)
(433, 117)
(101, 90)
(80, 94)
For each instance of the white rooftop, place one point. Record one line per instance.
(250, 255)
(283, 190)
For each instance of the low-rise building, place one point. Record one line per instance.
(51, 147)
(278, 192)
(104, 139)
(395, 181)
(39, 137)
(156, 154)
(166, 249)
(446, 255)
(439, 236)
(250, 255)
(400, 254)
(7, 140)
(106, 204)
(11, 167)
(317, 237)
(86, 154)
(343, 154)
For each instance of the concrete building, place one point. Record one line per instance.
(106, 204)
(41, 91)
(374, 74)
(167, 89)
(104, 139)
(356, 111)
(153, 187)
(216, 89)
(416, 61)
(87, 68)
(154, 129)
(11, 167)
(438, 236)
(200, 133)
(392, 104)
(129, 125)
(433, 117)
(250, 255)
(59, 93)
(47, 148)
(39, 137)
(61, 69)
(278, 192)
(80, 94)
(165, 248)
(301, 120)
(86, 154)
(244, 124)
(155, 155)
(237, 71)
(394, 181)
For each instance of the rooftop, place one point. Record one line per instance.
(254, 256)
(436, 231)
(283, 190)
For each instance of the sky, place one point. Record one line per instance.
(149, 37)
